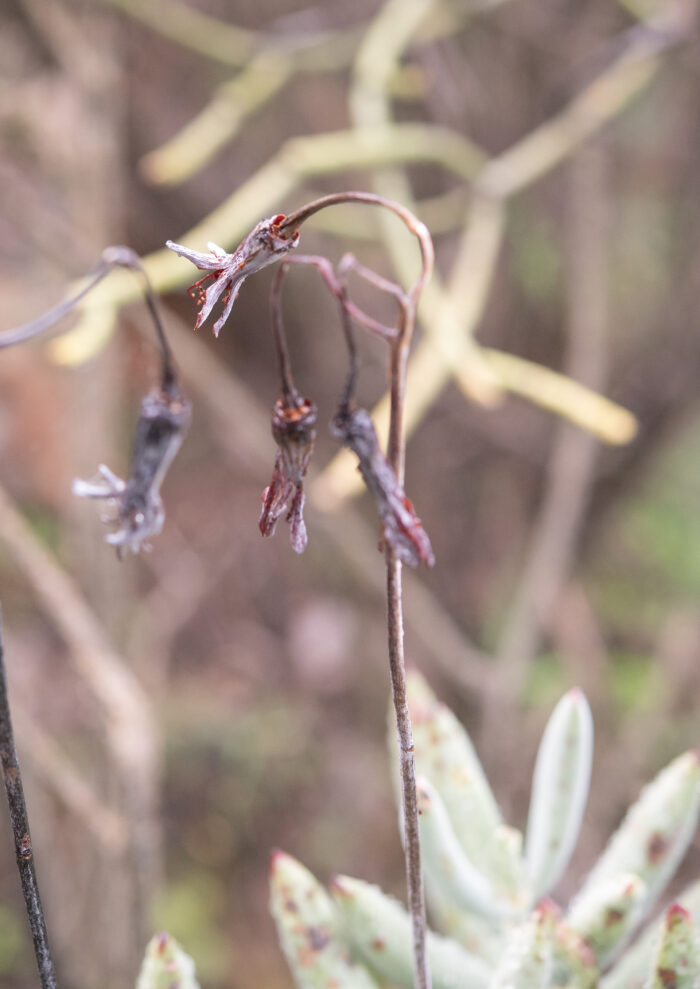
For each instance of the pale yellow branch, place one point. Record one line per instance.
(562, 395)
(194, 30)
(218, 123)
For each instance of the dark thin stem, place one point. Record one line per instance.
(411, 836)
(112, 257)
(291, 396)
(28, 330)
(20, 830)
(125, 257)
(396, 454)
(347, 309)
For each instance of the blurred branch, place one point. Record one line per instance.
(604, 98)
(571, 469)
(60, 776)
(130, 727)
(232, 104)
(193, 29)
(563, 395)
(19, 821)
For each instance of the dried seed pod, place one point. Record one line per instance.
(294, 430)
(165, 416)
(403, 529)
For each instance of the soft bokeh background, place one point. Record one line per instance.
(181, 714)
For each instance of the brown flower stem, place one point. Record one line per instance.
(396, 453)
(399, 341)
(19, 821)
(289, 389)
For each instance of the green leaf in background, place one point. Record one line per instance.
(677, 963)
(307, 925)
(166, 966)
(559, 791)
(379, 929)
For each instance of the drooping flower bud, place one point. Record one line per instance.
(165, 416)
(403, 529)
(294, 430)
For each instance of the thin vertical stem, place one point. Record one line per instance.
(20, 830)
(397, 664)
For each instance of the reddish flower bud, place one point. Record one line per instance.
(403, 529)
(294, 430)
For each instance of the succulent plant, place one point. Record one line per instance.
(166, 966)
(487, 889)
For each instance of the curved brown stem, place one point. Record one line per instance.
(419, 230)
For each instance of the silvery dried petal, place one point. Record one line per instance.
(294, 430)
(227, 272)
(403, 529)
(162, 424)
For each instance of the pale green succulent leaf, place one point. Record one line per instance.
(308, 927)
(166, 966)
(655, 833)
(632, 970)
(677, 963)
(528, 959)
(445, 755)
(574, 963)
(559, 791)
(480, 936)
(379, 930)
(606, 920)
(446, 862)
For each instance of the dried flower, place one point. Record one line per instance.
(227, 272)
(294, 430)
(165, 416)
(403, 529)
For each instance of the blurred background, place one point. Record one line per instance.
(182, 713)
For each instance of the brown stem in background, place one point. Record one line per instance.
(14, 791)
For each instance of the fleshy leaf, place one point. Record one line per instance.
(379, 929)
(166, 966)
(655, 833)
(606, 920)
(527, 962)
(307, 924)
(677, 963)
(478, 935)
(574, 962)
(445, 755)
(559, 791)
(445, 861)
(631, 971)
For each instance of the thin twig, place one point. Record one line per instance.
(571, 467)
(19, 820)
